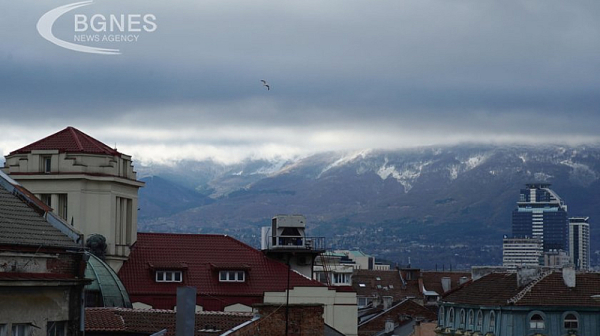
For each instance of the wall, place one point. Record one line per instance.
(92, 183)
(340, 308)
(303, 320)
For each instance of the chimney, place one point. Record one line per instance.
(446, 284)
(186, 311)
(462, 280)
(387, 302)
(569, 277)
(389, 326)
(526, 275)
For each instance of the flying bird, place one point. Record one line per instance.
(265, 84)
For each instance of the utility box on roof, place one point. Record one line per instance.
(281, 221)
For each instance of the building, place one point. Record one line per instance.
(385, 288)
(521, 252)
(42, 265)
(554, 258)
(531, 301)
(286, 240)
(333, 269)
(579, 242)
(541, 214)
(88, 184)
(229, 276)
(398, 319)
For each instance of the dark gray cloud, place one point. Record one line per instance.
(377, 74)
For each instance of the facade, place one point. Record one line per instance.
(579, 242)
(42, 265)
(556, 258)
(541, 214)
(333, 269)
(229, 276)
(88, 184)
(531, 301)
(521, 252)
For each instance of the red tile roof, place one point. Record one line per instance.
(365, 283)
(125, 320)
(200, 253)
(69, 140)
(432, 280)
(550, 290)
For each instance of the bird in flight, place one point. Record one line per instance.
(264, 82)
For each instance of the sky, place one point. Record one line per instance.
(343, 75)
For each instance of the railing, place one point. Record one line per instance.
(295, 242)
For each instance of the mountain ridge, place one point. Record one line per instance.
(431, 196)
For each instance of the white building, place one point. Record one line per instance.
(521, 252)
(91, 186)
(579, 242)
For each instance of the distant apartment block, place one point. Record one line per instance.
(579, 242)
(556, 258)
(521, 252)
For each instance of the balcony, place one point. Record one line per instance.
(295, 243)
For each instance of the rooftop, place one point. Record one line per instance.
(202, 256)
(496, 289)
(22, 220)
(148, 321)
(69, 140)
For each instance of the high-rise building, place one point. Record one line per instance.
(521, 252)
(541, 214)
(579, 242)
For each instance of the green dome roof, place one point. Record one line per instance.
(106, 289)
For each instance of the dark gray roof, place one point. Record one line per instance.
(20, 224)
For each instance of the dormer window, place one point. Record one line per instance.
(168, 276)
(232, 276)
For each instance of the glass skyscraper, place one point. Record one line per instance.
(542, 215)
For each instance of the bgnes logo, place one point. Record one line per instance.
(96, 28)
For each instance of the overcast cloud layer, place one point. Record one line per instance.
(343, 75)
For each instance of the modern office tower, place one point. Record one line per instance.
(521, 252)
(541, 214)
(579, 242)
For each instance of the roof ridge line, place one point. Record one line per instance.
(75, 137)
(528, 288)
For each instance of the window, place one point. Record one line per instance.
(62, 206)
(56, 328)
(451, 317)
(21, 330)
(471, 318)
(46, 164)
(168, 276)
(232, 276)
(492, 326)
(479, 320)
(364, 301)
(3, 330)
(341, 278)
(571, 322)
(536, 322)
(47, 199)
(462, 319)
(441, 316)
